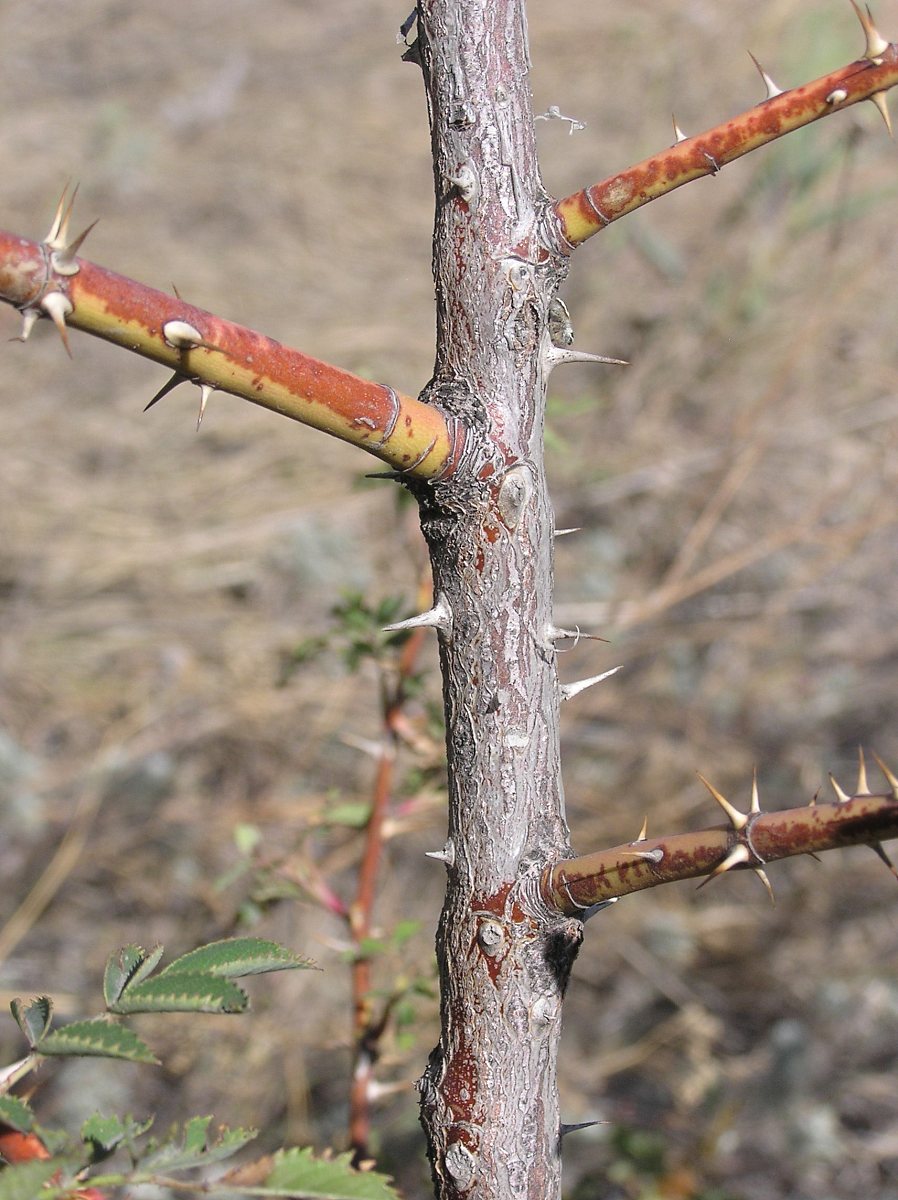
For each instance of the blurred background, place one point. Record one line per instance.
(186, 721)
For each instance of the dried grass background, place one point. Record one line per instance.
(735, 487)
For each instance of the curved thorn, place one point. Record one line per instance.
(772, 89)
(57, 306)
(879, 100)
(891, 779)
(876, 43)
(570, 690)
(59, 229)
(206, 390)
(737, 856)
(438, 617)
(63, 260)
(738, 819)
(176, 380)
(29, 319)
(863, 788)
(181, 336)
(842, 796)
(554, 633)
(679, 135)
(762, 875)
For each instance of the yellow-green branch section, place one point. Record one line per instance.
(44, 279)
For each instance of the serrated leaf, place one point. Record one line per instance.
(233, 958)
(193, 1150)
(106, 1133)
(25, 1181)
(128, 966)
(16, 1114)
(194, 992)
(33, 1018)
(96, 1039)
(299, 1173)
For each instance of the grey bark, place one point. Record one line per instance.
(489, 1097)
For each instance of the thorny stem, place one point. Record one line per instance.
(415, 439)
(587, 212)
(577, 884)
(368, 1025)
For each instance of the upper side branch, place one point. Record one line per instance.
(586, 212)
(750, 841)
(45, 279)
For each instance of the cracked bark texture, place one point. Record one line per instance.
(489, 1096)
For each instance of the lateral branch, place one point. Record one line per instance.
(590, 210)
(45, 279)
(574, 886)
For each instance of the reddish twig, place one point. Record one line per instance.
(369, 1026)
(587, 212)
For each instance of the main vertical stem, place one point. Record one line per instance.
(489, 1096)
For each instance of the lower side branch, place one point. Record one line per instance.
(751, 840)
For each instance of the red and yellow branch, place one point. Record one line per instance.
(587, 212)
(414, 438)
(577, 884)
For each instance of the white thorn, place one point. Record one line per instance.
(772, 89)
(879, 99)
(554, 356)
(643, 833)
(58, 233)
(738, 855)
(876, 43)
(863, 788)
(29, 319)
(840, 795)
(565, 532)
(438, 617)
(679, 135)
(569, 690)
(446, 855)
(182, 336)
(762, 875)
(738, 819)
(206, 391)
(57, 306)
(63, 260)
(755, 798)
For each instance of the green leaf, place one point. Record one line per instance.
(16, 1114)
(187, 992)
(194, 1150)
(96, 1038)
(106, 1133)
(25, 1181)
(130, 965)
(235, 957)
(33, 1018)
(298, 1173)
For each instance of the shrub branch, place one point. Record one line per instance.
(750, 841)
(45, 279)
(587, 212)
